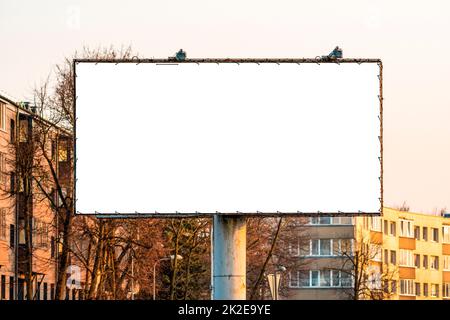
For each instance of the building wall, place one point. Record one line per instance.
(336, 234)
(398, 237)
(44, 250)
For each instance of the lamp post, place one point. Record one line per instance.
(275, 276)
(179, 257)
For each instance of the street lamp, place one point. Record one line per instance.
(276, 278)
(171, 257)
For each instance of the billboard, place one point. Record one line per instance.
(232, 137)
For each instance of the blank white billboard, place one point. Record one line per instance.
(227, 137)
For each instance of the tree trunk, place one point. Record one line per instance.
(63, 263)
(269, 254)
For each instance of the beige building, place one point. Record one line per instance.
(404, 255)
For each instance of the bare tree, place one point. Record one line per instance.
(269, 244)
(363, 275)
(43, 159)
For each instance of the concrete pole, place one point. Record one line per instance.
(229, 258)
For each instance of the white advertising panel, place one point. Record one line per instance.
(227, 137)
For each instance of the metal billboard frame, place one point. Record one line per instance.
(258, 61)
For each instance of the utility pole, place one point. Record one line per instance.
(229, 257)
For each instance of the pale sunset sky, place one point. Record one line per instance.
(411, 37)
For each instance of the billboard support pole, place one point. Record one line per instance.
(229, 257)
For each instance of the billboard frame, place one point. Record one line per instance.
(172, 61)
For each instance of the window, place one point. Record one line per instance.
(2, 116)
(293, 279)
(446, 234)
(294, 248)
(385, 227)
(406, 258)
(52, 247)
(435, 234)
(374, 280)
(446, 290)
(63, 151)
(331, 220)
(417, 289)
(45, 292)
(324, 220)
(12, 182)
(53, 150)
(393, 257)
(38, 292)
(52, 291)
(12, 127)
(303, 280)
(346, 279)
(386, 256)
(40, 234)
(319, 278)
(346, 246)
(11, 288)
(315, 247)
(425, 262)
(425, 233)
(325, 247)
(375, 223)
(375, 252)
(446, 259)
(2, 224)
(406, 228)
(23, 130)
(3, 288)
(3, 173)
(434, 290)
(12, 234)
(417, 260)
(394, 286)
(407, 287)
(321, 247)
(314, 220)
(417, 233)
(385, 286)
(346, 220)
(325, 278)
(425, 289)
(392, 229)
(315, 280)
(434, 262)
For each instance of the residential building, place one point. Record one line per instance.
(409, 257)
(23, 208)
(326, 243)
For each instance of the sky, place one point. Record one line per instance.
(411, 38)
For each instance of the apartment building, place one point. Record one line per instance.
(23, 208)
(324, 244)
(408, 257)
(418, 245)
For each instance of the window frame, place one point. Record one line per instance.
(409, 285)
(445, 234)
(406, 258)
(435, 235)
(406, 228)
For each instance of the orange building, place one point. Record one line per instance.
(23, 207)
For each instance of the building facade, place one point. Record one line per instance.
(29, 244)
(404, 256)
